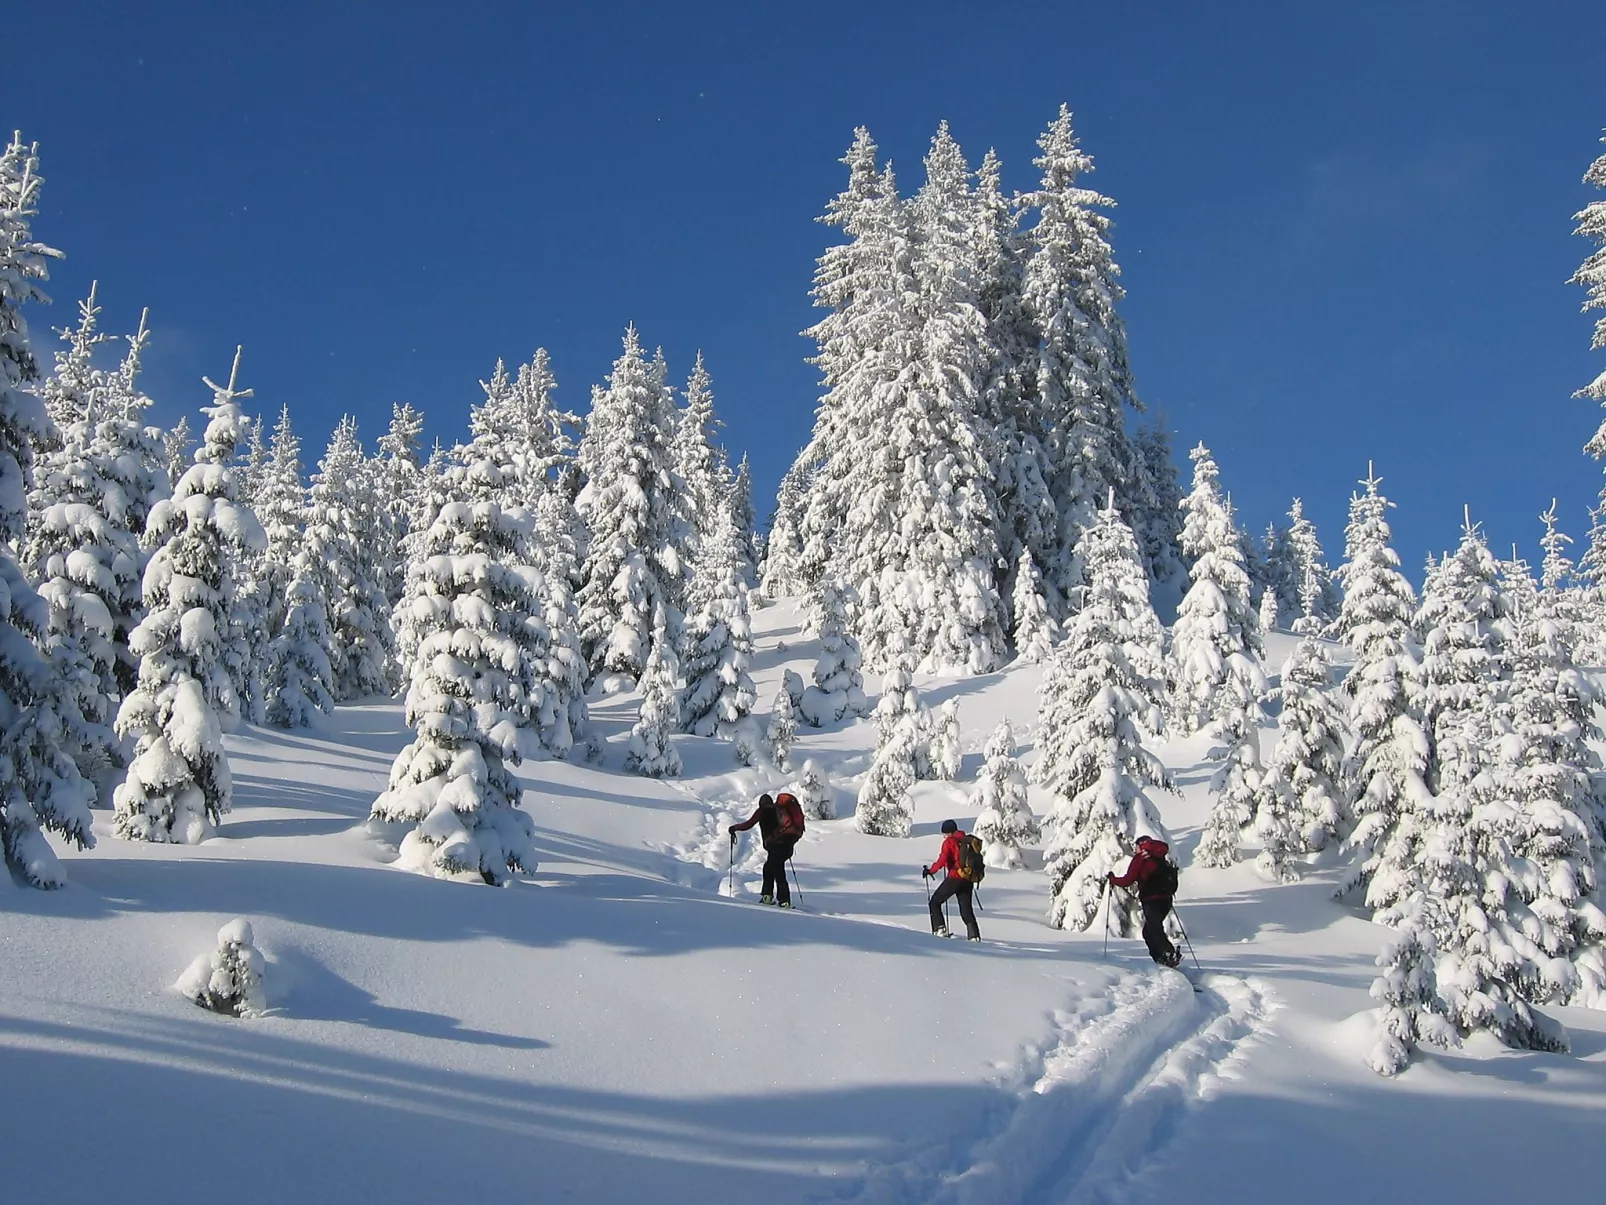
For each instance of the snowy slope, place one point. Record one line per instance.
(615, 1030)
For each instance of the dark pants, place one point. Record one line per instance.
(1154, 914)
(954, 888)
(775, 871)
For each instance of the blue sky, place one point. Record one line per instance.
(1345, 229)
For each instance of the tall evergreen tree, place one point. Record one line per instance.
(1099, 707)
(1299, 805)
(281, 508)
(1313, 584)
(342, 504)
(627, 504)
(471, 630)
(719, 691)
(1004, 819)
(1591, 275)
(178, 786)
(40, 786)
(741, 501)
(176, 445)
(783, 548)
(1084, 384)
(700, 465)
(838, 689)
(300, 680)
(396, 474)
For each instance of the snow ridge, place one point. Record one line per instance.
(1103, 1101)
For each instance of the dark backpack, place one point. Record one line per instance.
(1163, 879)
(972, 866)
(791, 813)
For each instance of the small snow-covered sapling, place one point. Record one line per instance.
(228, 980)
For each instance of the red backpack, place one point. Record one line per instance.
(791, 812)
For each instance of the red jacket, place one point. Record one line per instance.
(948, 859)
(1144, 863)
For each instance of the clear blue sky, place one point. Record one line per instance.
(1345, 228)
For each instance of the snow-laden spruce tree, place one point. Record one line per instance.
(1591, 275)
(1033, 633)
(178, 785)
(1298, 807)
(741, 504)
(1099, 705)
(1004, 819)
(178, 444)
(652, 750)
(1456, 851)
(72, 391)
(1217, 636)
(814, 793)
(1313, 583)
(781, 573)
(1084, 384)
(300, 680)
(945, 752)
(228, 980)
(705, 476)
(470, 631)
(718, 638)
(395, 473)
(1411, 1011)
(342, 504)
(281, 507)
(782, 730)
(1387, 759)
(885, 808)
(1552, 811)
(40, 786)
(838, 689)
(548, 445)
(256, 591)
(631, 568)
(919, 530)
(565, 717)
(1157, 520)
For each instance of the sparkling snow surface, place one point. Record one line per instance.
(616, 1030)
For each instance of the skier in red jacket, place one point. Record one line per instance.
(953, 886)
(1153, 896)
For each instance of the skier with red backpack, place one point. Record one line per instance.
(780, 824)
(961, 859)
(1155, 876)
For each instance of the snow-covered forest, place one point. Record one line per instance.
(587, 597)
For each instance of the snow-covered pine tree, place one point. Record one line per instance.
(470, 632)
(719, 638)
(741, 503)
(885, 807)
(1004, 819)
(628, 507)
(1555, 801)
(1591, 275)
(176, 446)
(1034, 628)
(781, 731)
(652, 750)
(1454, 851)
(300, 680)
(1411, 1011)
(899, 701)
(396, 477)
(1084, 385)
(814, 794)
(1268, 610)
(1157, 522)
(281, 508)
(706, 479)
(1383, 772)
(1217, 636)
(566, 718)
(256, 592)
(72, 392)
(1299, 805)
(1275, 575)
(228, 980)
(1099, 704)
(783, 547)
(945, 752)
(1313, 583)
(548, 446)
(838, 689)
(342, 503)
(178, 786)
(253, 463)
(40, 787)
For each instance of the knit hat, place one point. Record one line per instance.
(949, 826)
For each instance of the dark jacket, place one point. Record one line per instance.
(768, 821)
(1144, 863)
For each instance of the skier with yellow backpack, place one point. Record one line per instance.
(961, 860)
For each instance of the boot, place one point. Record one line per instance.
(942, 932)
(766, 899)
(786, 903)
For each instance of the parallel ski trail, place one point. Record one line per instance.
(1097, 1105)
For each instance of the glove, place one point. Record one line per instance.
(732, 831)
(925, 872)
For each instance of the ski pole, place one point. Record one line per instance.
(730, 873)
(975, 893)
(795, 885)
(1186, 940)
(1108, 891)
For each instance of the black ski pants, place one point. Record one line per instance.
(954, 889)
(1154, 913)
(775, 870)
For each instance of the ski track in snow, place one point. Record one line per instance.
(1096, 1108)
